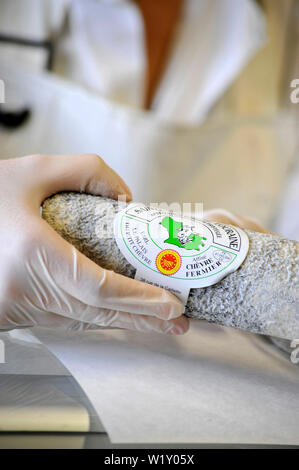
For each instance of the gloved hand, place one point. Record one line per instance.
(225, 217)
(44, 280)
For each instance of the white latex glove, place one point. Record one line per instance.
(44, 280)
(225, 217)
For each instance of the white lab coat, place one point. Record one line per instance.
(168, 154)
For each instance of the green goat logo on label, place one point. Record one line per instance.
(182, 235)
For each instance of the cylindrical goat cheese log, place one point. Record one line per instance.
(261, 296)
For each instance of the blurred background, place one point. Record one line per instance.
(189, 100)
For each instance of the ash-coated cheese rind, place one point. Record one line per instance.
(262, 296)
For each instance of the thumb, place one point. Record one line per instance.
(50, 174)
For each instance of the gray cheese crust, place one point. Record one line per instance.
(262, 296)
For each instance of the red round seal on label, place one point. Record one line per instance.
(168, 262)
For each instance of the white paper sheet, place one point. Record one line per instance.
(213, 385)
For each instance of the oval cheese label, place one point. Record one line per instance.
(178, 253)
